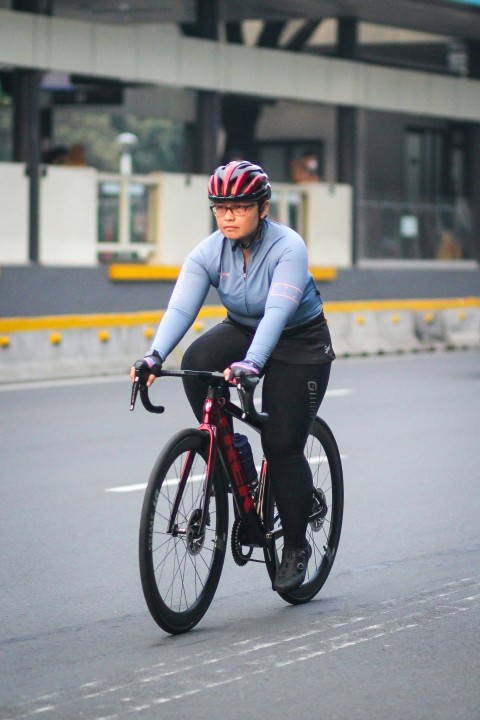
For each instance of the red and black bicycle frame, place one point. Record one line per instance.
(221, 445)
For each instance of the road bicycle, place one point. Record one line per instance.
(184, 522)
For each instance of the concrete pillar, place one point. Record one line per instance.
(207, 132)
(26, 144)
(207, 127)
(473, 55)
(473, 185)
(347, 38)
(347, 121)
(26, 127)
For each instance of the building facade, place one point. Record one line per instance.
(386, 97)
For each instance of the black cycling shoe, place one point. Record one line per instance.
(293, 568)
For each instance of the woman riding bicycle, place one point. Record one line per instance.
(275, 328)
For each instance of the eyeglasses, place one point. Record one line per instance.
(237, 210)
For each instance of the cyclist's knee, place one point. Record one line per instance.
(193, 358)
(202, 354)
(277, 446)
(291, 477)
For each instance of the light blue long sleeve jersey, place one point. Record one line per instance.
(275, 292)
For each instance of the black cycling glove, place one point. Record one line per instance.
(151, 364)
(244, 368)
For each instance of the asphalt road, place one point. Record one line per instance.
(393, 634)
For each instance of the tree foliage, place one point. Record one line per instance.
(160, 141)
(159, 148)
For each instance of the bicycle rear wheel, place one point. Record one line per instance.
(179, 566)
(324, 528)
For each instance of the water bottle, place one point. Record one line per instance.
(246, 458)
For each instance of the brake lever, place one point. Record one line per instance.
(135, 389)
(245, 387)
(140, 384)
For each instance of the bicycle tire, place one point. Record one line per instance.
(180, 570)
(323, 533)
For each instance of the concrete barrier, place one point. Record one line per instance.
(365, 336)
(398, 329)
(462, 327)
(76, 346)
(430, 329)
(339, 326)
(64, 347)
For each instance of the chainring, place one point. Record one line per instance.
(239, 555)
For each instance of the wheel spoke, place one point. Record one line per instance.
(180, 569)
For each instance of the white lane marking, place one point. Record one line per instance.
(195, 478)
(127, 488)
(142, 486)
(65, 382)
(101, 379)
(338, 392)
(186, 675)
(46, 708)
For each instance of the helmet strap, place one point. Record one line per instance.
(245, 244)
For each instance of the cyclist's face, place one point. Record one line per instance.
(238, 227)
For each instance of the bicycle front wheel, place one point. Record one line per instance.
(180, 565)
(325, 525)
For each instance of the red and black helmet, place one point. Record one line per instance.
(239, 180)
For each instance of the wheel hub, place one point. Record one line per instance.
(319, 511)
(194, 537)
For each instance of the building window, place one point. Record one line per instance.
(277, 157)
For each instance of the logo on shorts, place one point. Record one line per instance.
(312, 398)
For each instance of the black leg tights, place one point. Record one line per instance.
(214, 350)
(291, 396)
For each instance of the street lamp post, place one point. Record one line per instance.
(127, 142)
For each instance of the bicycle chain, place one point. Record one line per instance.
(240, 557)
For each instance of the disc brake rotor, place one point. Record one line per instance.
(319, 511)
(194, 538)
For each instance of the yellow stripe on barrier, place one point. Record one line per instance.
(75, 322)
(143, 273)
(396, 305)
(323, 274)
(120, 272)
(153, 317)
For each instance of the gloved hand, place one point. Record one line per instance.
(242, 369)
(148, 368)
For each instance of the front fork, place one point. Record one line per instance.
(207, 486)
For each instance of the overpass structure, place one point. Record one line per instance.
(389, 94)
